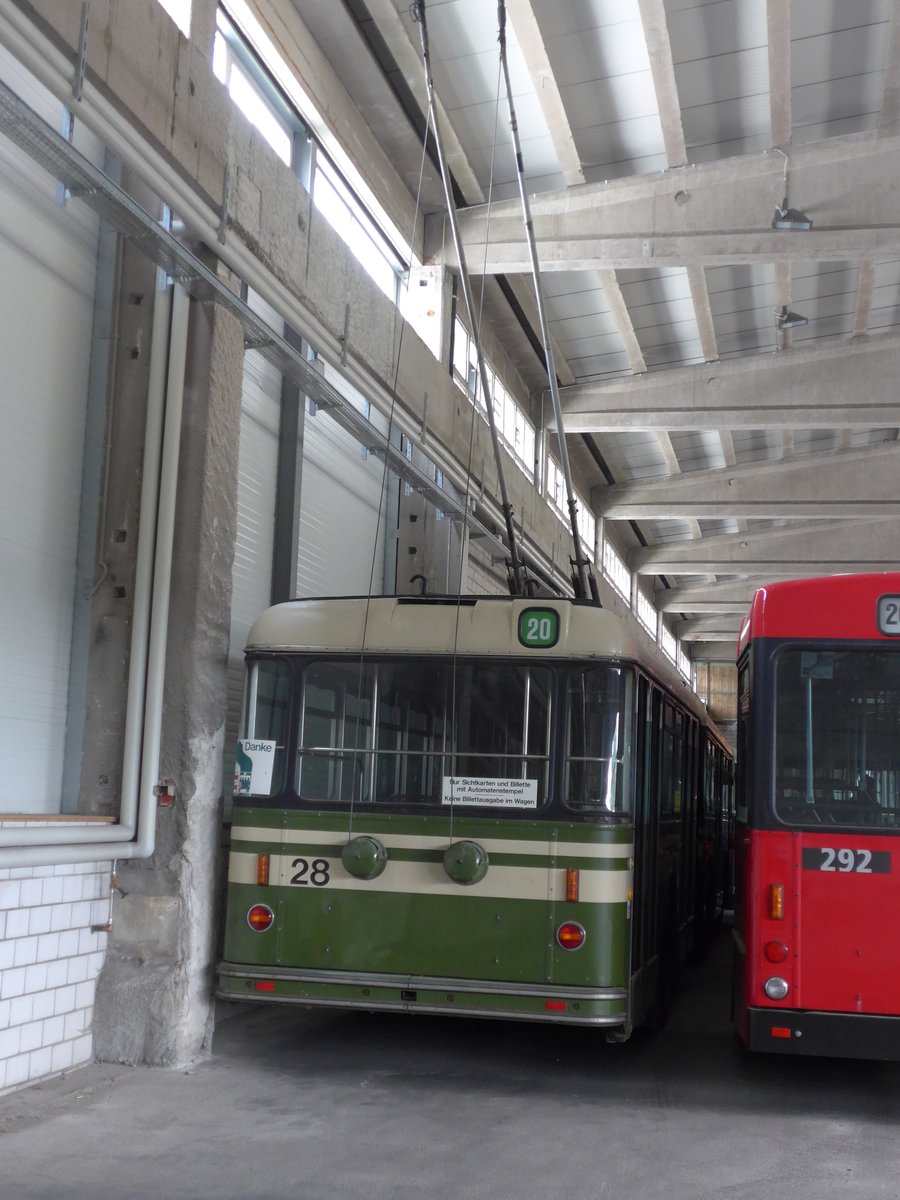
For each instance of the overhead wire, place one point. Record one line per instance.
(382, 500)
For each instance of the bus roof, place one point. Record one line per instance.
(464, 625)
(437, 625)
(836, 606)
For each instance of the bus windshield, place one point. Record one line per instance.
(837, 755)
(431, 732)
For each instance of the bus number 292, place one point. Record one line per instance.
(846, 861)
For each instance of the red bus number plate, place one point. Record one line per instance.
(846, 861)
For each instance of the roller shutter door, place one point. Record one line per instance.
(341, 545)
(48, 262)
(257, 477)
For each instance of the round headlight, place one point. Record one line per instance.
(776, 988)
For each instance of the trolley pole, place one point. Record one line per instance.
(583, 581)
(516, 570)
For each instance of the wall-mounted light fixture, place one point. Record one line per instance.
(789, 320)
(786, 217)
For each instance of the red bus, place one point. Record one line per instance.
(817, 915)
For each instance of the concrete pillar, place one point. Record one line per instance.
(154, 999)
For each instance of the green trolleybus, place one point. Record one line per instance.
(477, 805)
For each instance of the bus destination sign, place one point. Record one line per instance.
(539, 628)
(889, 615)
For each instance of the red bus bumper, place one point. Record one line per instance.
(835, 1035)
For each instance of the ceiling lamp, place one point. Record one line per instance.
(789, 320)
(790, 218)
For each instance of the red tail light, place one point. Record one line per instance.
(260, 918)
(775, 951)
(570, 935)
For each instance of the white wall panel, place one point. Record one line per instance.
(48, 257)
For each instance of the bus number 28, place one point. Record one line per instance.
(315, 872)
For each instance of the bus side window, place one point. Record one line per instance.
(262, 736)
(666, 763)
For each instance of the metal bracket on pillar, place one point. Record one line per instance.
(78, 82)
(425, 418)
(223, 211)
(481, 490)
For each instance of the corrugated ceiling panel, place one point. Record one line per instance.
(698, 450)
(634, 456)
(755, 445)
(885, 311)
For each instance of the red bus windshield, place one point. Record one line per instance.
(837, 750)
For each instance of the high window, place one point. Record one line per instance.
(334, 200)
(616, 572)
(180, 12)
(515, 430)
(555, 487)
(645, 611)
(251, 90)
(252, 85)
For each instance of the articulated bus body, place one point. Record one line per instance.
(479, 806)
(817, 939)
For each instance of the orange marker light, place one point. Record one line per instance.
(264, 985)
(555, 1005)
(776, 901)
(779, 1031)
(572, 879)
(262, 870)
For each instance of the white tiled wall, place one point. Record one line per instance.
(49, 963)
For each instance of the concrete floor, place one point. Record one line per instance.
(301, 1105)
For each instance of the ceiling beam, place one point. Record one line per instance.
(706, 213)
(531, 43)
(890, 100)
(582, 252)
(662, 70)
(802, 549)
(778, 28)
(855, 483)
(865, 286)
(728, 596)
(714, 652)
(707, 629)
(800, 388)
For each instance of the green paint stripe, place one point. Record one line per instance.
(548, 860)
